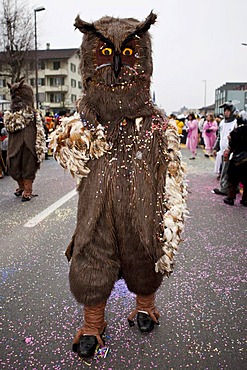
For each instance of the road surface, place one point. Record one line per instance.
(202, 305)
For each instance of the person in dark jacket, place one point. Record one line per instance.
(237, 171)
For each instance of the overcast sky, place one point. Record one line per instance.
(193, 41)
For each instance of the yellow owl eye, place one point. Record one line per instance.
(127, 52)
(106, 51)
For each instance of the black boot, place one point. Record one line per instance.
(243, 202)
(144, 322)
(25, 199)
(229, 201)
(18, 193)
(219, 192)
(86, 346)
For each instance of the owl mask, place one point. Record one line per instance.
(21, 96)
(116, 66)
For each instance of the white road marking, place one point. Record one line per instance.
(42, 215)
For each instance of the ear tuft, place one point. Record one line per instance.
(142, 27)
(146, 24)
(83, 26)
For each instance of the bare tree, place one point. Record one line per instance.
(17, 38)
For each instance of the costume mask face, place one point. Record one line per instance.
(21, 96)
(116, 65)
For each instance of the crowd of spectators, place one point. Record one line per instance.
(223, 137)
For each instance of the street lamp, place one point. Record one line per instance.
(205, 94)
(39, 9)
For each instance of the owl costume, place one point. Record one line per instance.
(131, 189)
(26, 139)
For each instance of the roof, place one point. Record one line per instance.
(233, 86)
(55, 53)
(208, 107)
(50, 54)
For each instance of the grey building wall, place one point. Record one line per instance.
(231, 91)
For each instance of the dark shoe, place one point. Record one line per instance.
(243, 202)
(229, 201)
(192, 158)
(218, 192)
(26, 199)
(18, 193)
(206, 155)
(86, 346)
(144, 322)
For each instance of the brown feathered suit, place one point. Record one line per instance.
(122, 200)
(26, 143)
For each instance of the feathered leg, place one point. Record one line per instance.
(146, 313)
(28, 188)
(20, 188)
(90, 335)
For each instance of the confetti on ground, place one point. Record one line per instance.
(202, 304)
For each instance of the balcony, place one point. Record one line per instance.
(57, 89)
(62, 105)
(56, 72)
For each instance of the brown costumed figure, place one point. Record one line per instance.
(131, 187)
(26, 139)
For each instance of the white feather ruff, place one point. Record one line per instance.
(175, 196)
(74, 145)
(40, 145)
(17, 121)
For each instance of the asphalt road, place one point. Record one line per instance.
(202, 305)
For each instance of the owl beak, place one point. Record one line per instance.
(117, 64)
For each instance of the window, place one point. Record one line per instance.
(72, 67)
(73, 98)
(56, 65)
(73, 82)
(32, 66)
(41, 64)
(2, 83)
(56, 98)
(79, 85)
(56, 81)
(41, 82)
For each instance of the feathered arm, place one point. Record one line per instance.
(74, 145)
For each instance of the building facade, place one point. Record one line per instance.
(236, 92)
(59, 79)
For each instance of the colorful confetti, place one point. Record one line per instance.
(202, 304)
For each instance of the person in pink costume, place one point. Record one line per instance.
(192, 137)
(209, 134)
